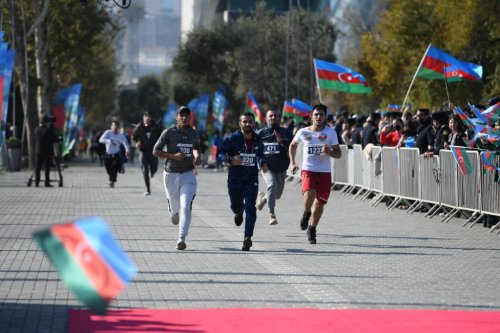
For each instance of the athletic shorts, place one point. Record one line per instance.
(321, 182)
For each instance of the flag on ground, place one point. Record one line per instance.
(438, 65)
(88, 259)
(463, 162)
(252, 106)
(332, 76)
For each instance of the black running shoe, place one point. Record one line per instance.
(304, 221)
(238, 219)
(311, 235)
(247, 243)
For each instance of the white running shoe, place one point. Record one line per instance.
(147, 193)
(261, 200)
(175, 219)
(273, 220)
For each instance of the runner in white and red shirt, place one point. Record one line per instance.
(320, 143)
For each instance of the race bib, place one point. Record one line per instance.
(247, 160)
(271, 148)
(185, 148)
(314, 150)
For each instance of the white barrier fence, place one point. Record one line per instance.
(403, 174)
(408, 175)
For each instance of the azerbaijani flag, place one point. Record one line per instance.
(332, 76)
(301, 109)
(438, 65)
(488, 116)
(252, 106)
(463, 162)
(486, 134)
(288, 109)
(464, 118)
(393, 107)
(488, 160)
(89, 260)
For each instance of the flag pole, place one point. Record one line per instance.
(414, 77)
(317, 81)
(446, 84)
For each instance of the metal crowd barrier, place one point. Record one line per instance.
(490, 195)
(409, 176)
(340, 168)
(434, 180)
(469, 189)
(376, 183)
(358, 168)
(350, 173)
(390, 173)
(449, 184)
(430, 180)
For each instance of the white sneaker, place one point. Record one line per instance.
(147, 193)
(181, 243)
(175, 219)
(261, 200)
(273, 220)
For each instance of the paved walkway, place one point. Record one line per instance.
(365, 257)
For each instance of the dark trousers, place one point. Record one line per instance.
(149, 163)
(43, 159)
(243, 196)
(113, 164)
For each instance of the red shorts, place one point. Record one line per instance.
(321, 182)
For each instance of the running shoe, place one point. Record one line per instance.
(175, 219)
(304, 221)
(181, 244)
(261, 200)
(311, 235)
(273, 220)
(247, 243)
(238, 219)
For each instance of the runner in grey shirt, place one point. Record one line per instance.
(180, 146)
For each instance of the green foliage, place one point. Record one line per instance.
(467, 30)
(14, 142)
(249, 55)
(128, 106)
(81, 49)
(149, 95)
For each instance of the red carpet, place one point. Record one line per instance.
(285, 320)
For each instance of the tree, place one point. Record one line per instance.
(83, 53)
(393, 50)
(249, 55)
(149, 96)
(128, 106)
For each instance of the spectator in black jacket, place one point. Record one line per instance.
(425, 136)
(441, 130)
(45, 138)
(145, 136)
